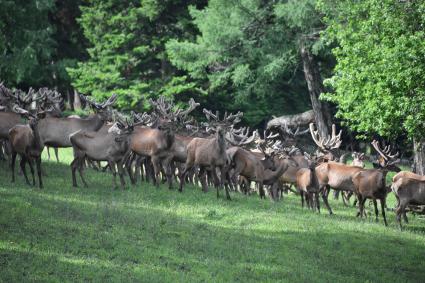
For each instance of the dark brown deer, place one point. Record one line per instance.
(25, 140)
(112, 147)
(209, 154)
(371, 184)
(261, 168)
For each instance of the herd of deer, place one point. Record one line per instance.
(169, 144)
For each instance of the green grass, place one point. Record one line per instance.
(156, 235)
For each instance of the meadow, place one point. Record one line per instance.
(149, 234)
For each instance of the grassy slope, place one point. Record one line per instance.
(149, 234)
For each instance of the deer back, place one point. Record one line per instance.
(56, 131)
(7, 121)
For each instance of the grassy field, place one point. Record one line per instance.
(156, 235)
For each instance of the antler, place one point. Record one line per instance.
(241, 139)
(385, 153)
(142, 119)
(326, 143)
(162, 107)
(192, 106)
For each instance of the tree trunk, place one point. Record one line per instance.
(77, 100)
(419, 157)
(315, 88)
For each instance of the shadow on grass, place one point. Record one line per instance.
(80, 240)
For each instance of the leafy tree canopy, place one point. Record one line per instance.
(379, 78)
(248, 50)
(127, 50)
(26, 42)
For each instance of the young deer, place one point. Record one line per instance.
(112, 147)
(25, 141)
(370, 183)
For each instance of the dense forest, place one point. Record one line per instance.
(356, 63)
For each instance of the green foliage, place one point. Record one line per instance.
(127, 50)
(248, 54)
(38, 40)
(379, 78)
(145, 234)
(26, 42)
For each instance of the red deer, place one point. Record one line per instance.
(159, 143)
(8, 118)
(308, 184)
(370, 183)
(55, 132)
(210, 153)
(111, 147)
(25, 141)
(409, 189)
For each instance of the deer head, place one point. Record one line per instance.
(101, 108)
(386, 160)
(329, 144)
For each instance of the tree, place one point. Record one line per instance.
(26, 42)
(126, 53)
(252, 51)
(379, 77)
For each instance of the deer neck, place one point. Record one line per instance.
(274, 175)
(97, 121)
(37, 140)
(221, 143)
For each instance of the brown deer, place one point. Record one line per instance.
(210, 153)
(409, 189)
(159, 143)
(370, 183)
(308, 184)
(10, 99)
(55, 132)
(25, 140)
(112, 147)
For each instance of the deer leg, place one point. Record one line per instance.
(12, 165)
(157, 170)
(48, 153)
(121, 173)
(31, 165)
(316, 194)
(405, 217)
(344, 199)
(223, 180)
(130, 169)
(383, 211)
(336, 195)
(22, 164)
(73, 169)
(81, 171)
(168, 171)
(375, 205)
(325, 194)
(56, 154)
(363, 212)
(302, 198)
(360, 199)
(114, 173)
(38, 164)
(202, 176)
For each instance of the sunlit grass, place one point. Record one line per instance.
(156, 235)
